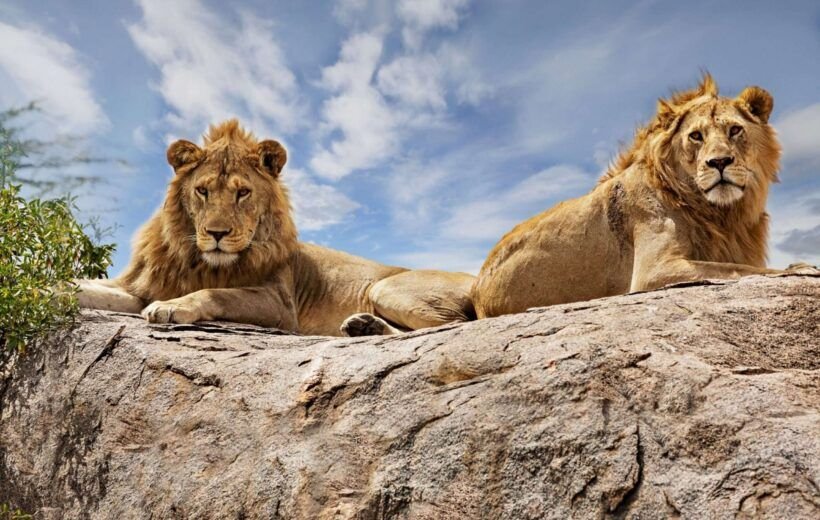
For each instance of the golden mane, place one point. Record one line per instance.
(677, 99)
(710, 225)
(167, 263)
(231, 132)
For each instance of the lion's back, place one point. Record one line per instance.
(571, 252)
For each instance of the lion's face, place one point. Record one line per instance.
(226, 191)
(223, 210)
(715, 142)
(725, 145)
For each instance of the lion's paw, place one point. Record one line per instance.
(364, 324)
(803, 268)
(170, 312)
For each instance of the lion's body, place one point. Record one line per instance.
(555, 257)
(662, 214)
(224, 246)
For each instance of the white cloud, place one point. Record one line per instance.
(462, 75)
(357, 62)
(799, 133)
(316, 206)
(458, 259)
(212, 69)
(358, 111)
(363, 14)
(414, 80)
(424, 79)
(374, 107)
(420, 16)
(489, 218)
(39, 67)
(793, 219)
(796, 219)
(804, 243)
(428, 14)
(345, 10)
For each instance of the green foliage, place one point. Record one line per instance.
(10, 152)
(42, 250)
(9, 513)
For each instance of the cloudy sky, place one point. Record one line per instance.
(419, 131)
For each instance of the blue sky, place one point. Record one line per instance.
(419, 131)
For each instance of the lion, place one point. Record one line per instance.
(224, 246)
(685, 202)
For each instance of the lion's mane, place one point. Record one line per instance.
(166, 262)
(708, 224)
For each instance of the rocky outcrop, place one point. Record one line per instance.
(693, 402)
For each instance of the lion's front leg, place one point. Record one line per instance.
(661, 260)
(802, 268)
(178, 310)
(107, 295)
(263, 306)
(671, 272)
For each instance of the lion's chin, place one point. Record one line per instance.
(724, 194)
(219, 258)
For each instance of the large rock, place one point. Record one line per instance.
(694, 402)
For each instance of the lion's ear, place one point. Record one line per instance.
(757, 101)
(666, 113)
(272, 156)
(183, 152)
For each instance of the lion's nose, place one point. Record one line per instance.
(218, 233)
(720, 163)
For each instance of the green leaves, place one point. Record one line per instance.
(10, 152)
(42, 250)
(9, 513)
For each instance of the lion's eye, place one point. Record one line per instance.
(202, 191)
(696, 136)
(241, 194)
(735, 130)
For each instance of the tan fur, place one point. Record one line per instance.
(657, 215)
(224, 246)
